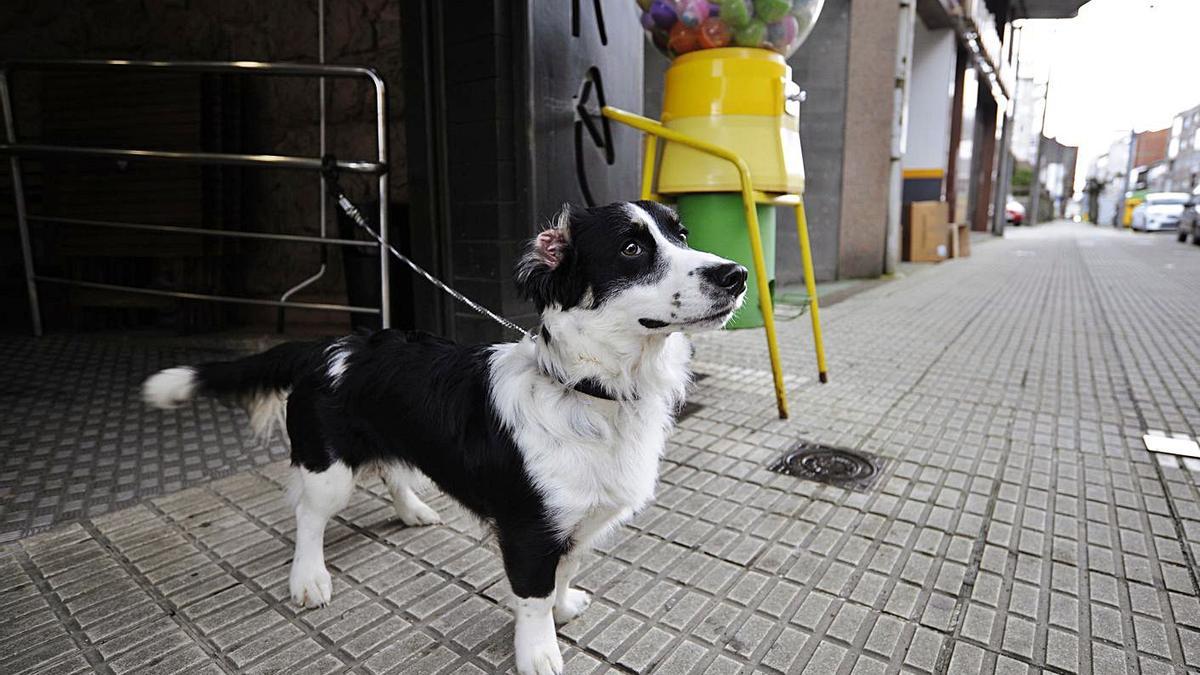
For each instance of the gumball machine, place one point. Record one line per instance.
(730, 138)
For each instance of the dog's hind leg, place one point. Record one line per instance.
(400, 479)
(570, 602)
(319, 496)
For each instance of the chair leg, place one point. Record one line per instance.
(764, 299)
(810, 284)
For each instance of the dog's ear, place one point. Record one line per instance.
(545, 272)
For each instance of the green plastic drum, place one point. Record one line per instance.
(717, 224)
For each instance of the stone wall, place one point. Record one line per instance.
(819, 67)
(870, 77)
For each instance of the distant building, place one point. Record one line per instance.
(1151, 147)
(1057, 176)
(1183, 152)
(1151, 172)
(1106, 180)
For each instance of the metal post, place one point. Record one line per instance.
(322, 112)
(200, 158)
(1035, 200)
(900, 96)
(1004, 172)
(385, 290)
(321, 177)
(14, 165)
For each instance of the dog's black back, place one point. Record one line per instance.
(420, 399)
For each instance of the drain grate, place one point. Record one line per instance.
(826, 464)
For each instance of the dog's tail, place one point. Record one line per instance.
(259, 383)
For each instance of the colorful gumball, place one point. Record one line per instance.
(683, 39)
(769, 11)
(664, 14)
(753, 34)
(692, 12)
(677, 27)
(737, 13)
(661, 40)
(714, 34)
(782, 33)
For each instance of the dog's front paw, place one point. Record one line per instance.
(310, 584)
(541, 658)
(571, 605)
(535, 642)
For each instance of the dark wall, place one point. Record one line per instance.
(560, 61)
(492, 139)
(279, 114)
(462, 84)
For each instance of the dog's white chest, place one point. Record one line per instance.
(620, 469)
(594, 461)
(601, 465)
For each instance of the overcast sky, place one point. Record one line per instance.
(1120, 64)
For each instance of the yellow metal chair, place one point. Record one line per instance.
(654, 131)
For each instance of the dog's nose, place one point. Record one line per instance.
(730, 277)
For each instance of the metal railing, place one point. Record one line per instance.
(379, 168)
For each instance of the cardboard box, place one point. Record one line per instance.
(960, 240)
(926, 234)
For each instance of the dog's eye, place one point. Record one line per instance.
(632, 249)
(683, 233)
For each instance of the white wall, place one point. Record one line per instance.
(930, 97)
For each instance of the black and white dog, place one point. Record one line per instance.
(552, 440)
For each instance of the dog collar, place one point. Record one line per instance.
(587, 386)
(592, 388)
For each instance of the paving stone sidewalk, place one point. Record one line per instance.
(1019, 526)
(76, 441)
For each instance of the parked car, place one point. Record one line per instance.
(1015, 212)
(1159, 212)
(1189, 220)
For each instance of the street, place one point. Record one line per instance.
(1019, 523)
